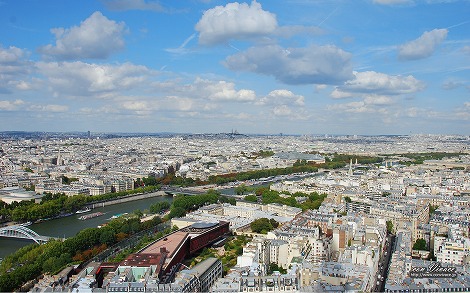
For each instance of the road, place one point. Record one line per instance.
(384, 263)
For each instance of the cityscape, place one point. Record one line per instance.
(230, 212)
(235, 146)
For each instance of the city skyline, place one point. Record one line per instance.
(294, 67)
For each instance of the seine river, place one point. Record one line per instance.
(70, 226)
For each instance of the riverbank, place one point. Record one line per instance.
(125, 199)
(69, 226)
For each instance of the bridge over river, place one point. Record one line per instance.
(23, 232)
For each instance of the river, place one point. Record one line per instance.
(70, 226)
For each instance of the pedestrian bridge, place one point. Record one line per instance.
(23, 232)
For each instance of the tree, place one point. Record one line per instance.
(241, 189)
(420, 244)
(275, 267)
(432, 209)
(251, 198)
(389, 227)
(262, 225)
(67, 180)
(274, 223)
(138, 213)
(347, 199)
(108, 237)
(176, 212)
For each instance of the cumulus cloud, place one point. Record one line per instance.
(136, 105)
(13, 67)
(10, 105)
(218, 91)
(282, 110)
(371, 82)
(22, 85)
(201, 95)
(377, 100)
(234, 21)
(13, 63)
(310, 65)
(122, 5)
(84, 79)
(49, 108)
(422, 47)
(97, 37)
(281, 97)
(11, 55)
(370, 104)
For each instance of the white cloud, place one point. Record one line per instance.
(97, 37)
(85, 79)
(413, 112)
(122, 5)
(182, 48)
(179, 104)
(11, 55)
(22, 85)
(136, 105)
(234, 21)
(339, 94)
(450, 84)
(282, 97)
(422, 47)
(282, 110)
(378, 83)
(352, 107)
(466, 50)
(10, 105)
(310, 65)
(377, 100)
(219, 91)
(194, 98)
(49, 108)
(370, 104)
(13, 67)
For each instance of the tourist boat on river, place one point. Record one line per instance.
(117, 216)
(86, 210)
(90, 216)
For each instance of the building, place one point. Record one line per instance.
(200, 278)
(454, 249)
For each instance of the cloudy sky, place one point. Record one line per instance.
(277, 66)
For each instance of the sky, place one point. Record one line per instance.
(258, 67)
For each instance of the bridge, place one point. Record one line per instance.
(22, 232)
(182, 191)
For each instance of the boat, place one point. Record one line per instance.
(90, 216)
(117, 216)
(86, 210)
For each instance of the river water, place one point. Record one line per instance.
(70, 226)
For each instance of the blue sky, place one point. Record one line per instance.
(290, 66)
